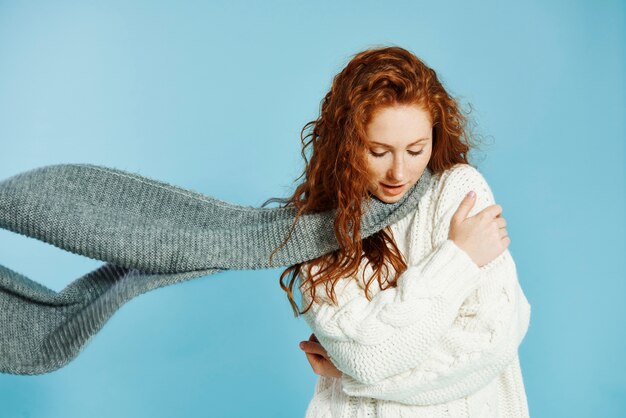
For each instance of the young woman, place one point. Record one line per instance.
(424, 318)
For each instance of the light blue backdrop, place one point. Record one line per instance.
(212, 96)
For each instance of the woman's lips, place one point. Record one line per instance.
(393, 190)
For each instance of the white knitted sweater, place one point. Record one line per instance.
(444, 342)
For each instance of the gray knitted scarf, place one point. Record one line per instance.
(149, 234)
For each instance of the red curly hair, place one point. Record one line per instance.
(336, 175)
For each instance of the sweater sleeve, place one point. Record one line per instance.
(446, 330)
(481, 342)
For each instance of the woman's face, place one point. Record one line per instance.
(399, 146)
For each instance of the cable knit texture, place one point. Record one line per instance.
(150, 234)
(444, 342)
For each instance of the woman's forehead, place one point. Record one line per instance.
(399, 126)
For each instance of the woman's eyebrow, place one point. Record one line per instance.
(389, 146)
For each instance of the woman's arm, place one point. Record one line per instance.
(482, 341)
(420, 343)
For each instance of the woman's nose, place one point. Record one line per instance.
(397, 169)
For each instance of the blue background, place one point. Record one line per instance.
(211, 96)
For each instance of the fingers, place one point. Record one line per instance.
(316, 355)
(312, 347)
(504, 234)
(500, 224)
(491, 212)
(322, 366)
(464, 207)
(315, 361)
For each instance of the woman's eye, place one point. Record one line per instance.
(376, 154)
(413, 153)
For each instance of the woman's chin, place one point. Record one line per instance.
(386, 199)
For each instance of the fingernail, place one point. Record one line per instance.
(471, 194)
(302, 346)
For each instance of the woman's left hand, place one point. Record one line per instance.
(318, 358)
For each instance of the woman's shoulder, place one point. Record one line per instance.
(450, 187)
(458, 173)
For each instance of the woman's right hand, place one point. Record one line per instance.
(482, 236)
